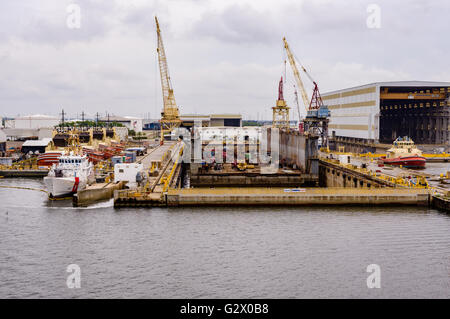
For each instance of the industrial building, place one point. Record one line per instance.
(230, 133)
(36, 146)
(132, 123)
(213, 120)
(380, 112)
(2, 143)
(35, 121)
(23, 134)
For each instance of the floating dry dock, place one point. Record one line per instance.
(285, 196)
(343, 184)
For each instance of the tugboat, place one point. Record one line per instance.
(404, 153)
(71, 174)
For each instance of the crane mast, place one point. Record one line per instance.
(280, 112)
(317, 114)
(170, 118)
(297, 74)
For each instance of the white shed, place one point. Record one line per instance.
(128, 173)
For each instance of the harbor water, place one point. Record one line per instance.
(221, 252)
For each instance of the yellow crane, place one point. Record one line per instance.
(297, 74)
(170, 117)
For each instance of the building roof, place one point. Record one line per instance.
(396, 84)
(226, 116)
(43, 142)
(194, 115)
(36, 117)
(203, 117)
(114, 118)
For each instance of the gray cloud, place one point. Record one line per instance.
(44, 23)
(239, 24)
(223, 56)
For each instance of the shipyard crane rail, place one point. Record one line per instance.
(170, 117)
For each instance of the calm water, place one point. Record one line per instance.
(220, 252)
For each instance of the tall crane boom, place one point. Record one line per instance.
(296, 74)
(317, 114)
(169, 116)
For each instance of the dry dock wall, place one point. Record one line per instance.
(329, 196)
(245, 180)
(441, 203)
(333, 175)
(296, 149)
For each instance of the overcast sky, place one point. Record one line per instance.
(224, 56)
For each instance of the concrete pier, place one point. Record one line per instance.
(24, 173)
(96, 192)
(168, 159)
(293, 197)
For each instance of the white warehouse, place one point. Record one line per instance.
(35, 121)
(132, 123)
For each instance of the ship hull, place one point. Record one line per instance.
(63, 186)
(408, 162)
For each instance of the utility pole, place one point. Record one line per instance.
(62, 117)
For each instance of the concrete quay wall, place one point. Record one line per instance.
(441, 203)
(334, 175)
(97, 192)
(24, 173)
(330, 196)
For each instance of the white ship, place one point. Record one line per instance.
(71, 174)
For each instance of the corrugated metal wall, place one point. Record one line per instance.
(354, 112)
